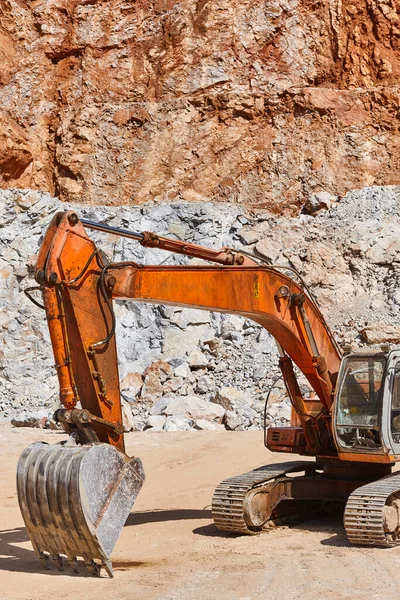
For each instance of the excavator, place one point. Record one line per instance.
(75, 496)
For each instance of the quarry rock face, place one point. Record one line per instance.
(259, 102)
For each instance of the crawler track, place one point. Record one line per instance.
(229, 497)
(365, 513)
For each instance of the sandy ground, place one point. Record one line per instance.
(169, 548)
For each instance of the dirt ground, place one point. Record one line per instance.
(169, 548)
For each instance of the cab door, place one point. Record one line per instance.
(391, 403)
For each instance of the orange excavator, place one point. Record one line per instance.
(75, 496)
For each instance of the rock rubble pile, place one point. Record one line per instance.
(182, 368)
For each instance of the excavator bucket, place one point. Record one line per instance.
(75, 501)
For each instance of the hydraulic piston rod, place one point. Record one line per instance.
(223, 256)
(134, 235)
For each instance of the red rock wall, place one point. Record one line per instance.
(255, 101)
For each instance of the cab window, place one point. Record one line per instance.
(360, 391)
(395, 412)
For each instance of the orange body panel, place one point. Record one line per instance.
(370, 458)
(252, 292)
(56, 320)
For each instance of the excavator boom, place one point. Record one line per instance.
(79, 283)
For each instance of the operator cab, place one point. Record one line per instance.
(367, 404)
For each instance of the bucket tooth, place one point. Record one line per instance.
(73, 563)
(94, 568)
(75, 501)
(58, 562)
(45, 560)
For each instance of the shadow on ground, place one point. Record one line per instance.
(211, 531)
(22, 560)
(331, 526)
(157, 516)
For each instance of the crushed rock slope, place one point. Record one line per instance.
(182, 368)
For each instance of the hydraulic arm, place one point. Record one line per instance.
(78, 285)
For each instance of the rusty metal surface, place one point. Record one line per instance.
(75, 500)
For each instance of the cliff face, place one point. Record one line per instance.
(259, 101)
